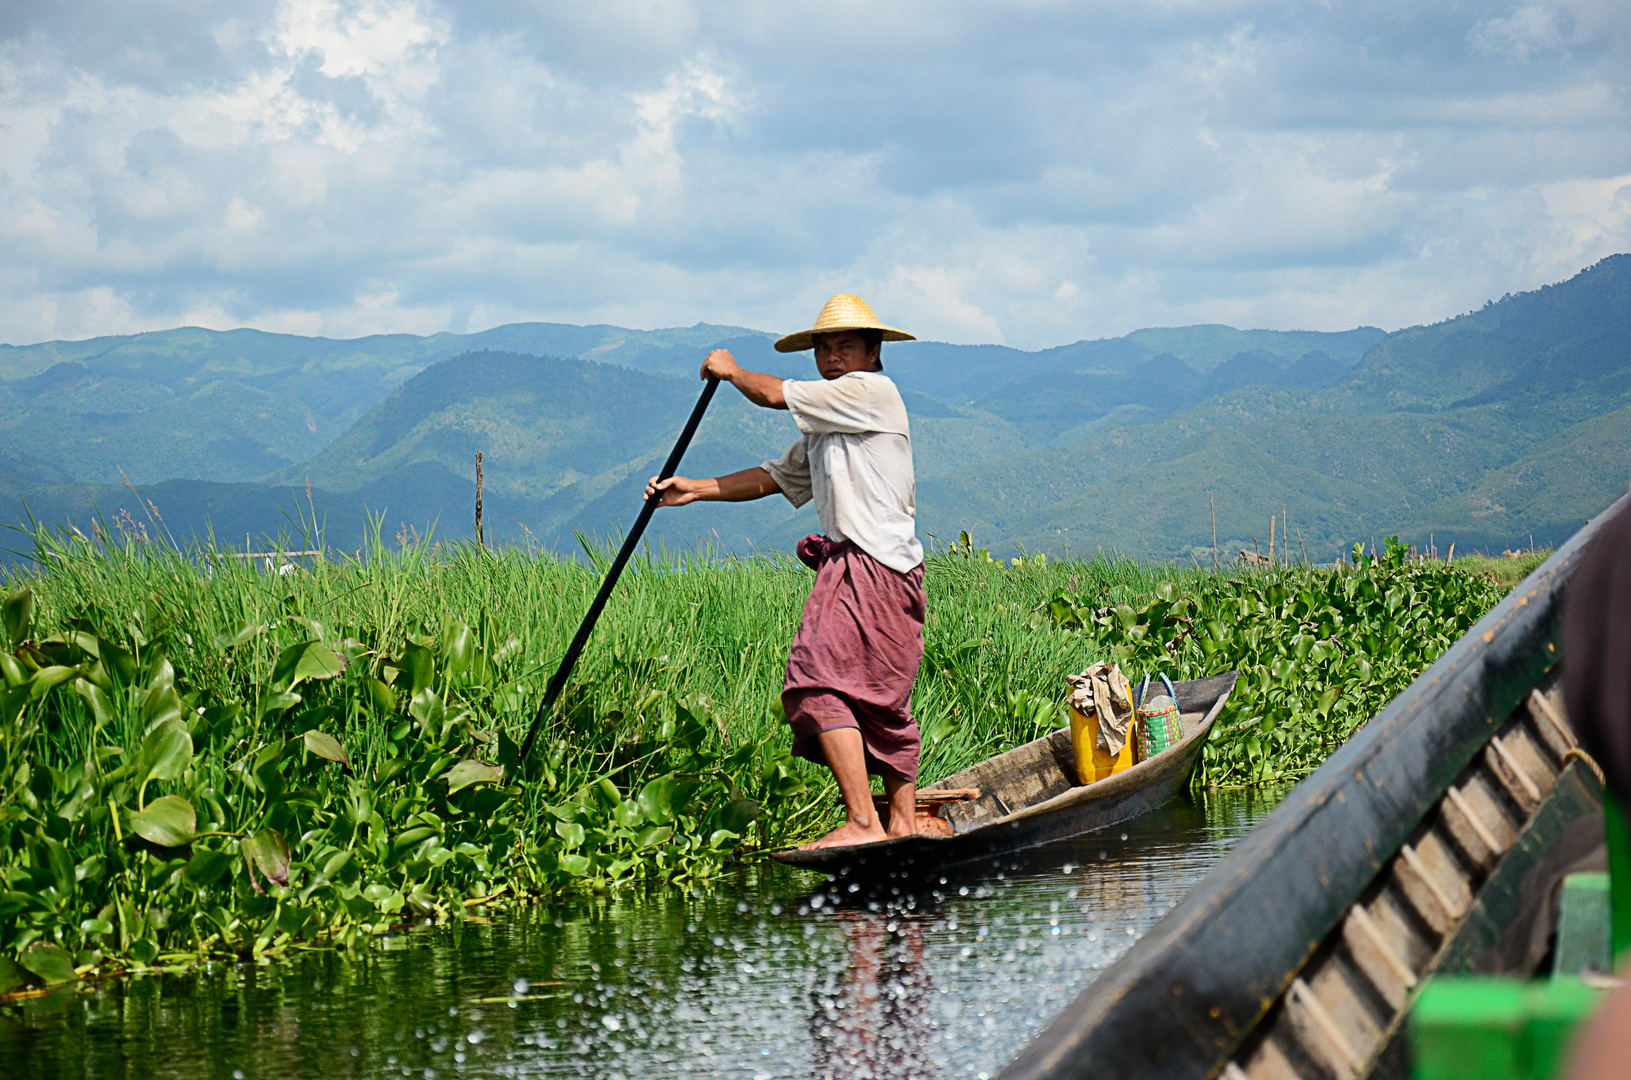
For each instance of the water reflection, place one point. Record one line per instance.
(879, 1020)
(770, 973)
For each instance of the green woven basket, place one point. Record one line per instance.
(1159, 728)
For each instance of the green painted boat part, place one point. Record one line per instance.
(1619, 872)
(1497, 1028)
(1584, 927)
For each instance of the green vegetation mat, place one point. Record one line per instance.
(201, 757)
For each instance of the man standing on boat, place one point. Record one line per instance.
(850, 670)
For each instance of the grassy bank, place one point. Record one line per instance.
(203, 757)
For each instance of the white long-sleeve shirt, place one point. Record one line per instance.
(855, 459)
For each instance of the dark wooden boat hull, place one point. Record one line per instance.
(1061, 808)
(1268, 968)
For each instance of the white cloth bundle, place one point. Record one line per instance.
(1104, 690)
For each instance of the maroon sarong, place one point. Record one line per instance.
(855, 656)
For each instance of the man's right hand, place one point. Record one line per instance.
(677, 490)
(720, 365)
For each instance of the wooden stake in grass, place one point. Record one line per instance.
(480, 539)
(1302, 545)
(1451, 557)
(1271, 541)
(1214, 506)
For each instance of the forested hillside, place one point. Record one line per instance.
(1483, 430)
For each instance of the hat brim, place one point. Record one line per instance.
(805, 339)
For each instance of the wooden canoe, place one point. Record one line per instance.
(1029, 796)
(1434, 840)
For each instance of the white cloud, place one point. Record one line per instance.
(1030, 173)
(1520, 35)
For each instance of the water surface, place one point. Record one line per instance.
(766, 973)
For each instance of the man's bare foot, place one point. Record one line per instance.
(847, 834)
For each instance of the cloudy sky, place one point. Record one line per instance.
(1030, 173)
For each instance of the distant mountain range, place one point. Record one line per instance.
(1481, 430)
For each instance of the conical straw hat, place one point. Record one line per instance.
(842, 312)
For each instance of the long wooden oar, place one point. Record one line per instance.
(558, 681)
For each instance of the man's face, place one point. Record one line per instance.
(843, 352)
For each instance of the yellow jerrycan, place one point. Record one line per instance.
(1102, 722)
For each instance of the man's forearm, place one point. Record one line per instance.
(749, 484)
(759, 388)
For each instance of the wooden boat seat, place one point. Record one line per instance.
(932, 801)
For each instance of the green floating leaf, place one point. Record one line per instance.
(738, 813)
(653, 836)
(326, 746)
(117, 660)
(420, 666)
(167, 822)
(166, 752)
(470, 772)
(101, 708)
(383, 699)
(17, 612)
(428, 709)
(458, 646)
(276, 703)
(144, 950)
(159, 704)
(49, 678)
(237, 634)
(12, 670)
(509, 754)
(576, 865)
(407, 838)
(570, 832)
(267, 852)
(51, 963)
(13, 976)
(206, 867)
(305, 660)
(656, 799)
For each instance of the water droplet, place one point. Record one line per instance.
(611, 1023)
(1124, 836)
(1069, 868)
(855, 886)
(453, 1010)
(237, 1074)
(962, 890)
(475, 1037)
(522, 986)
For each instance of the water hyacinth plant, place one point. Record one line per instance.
(1319, 651)
(200, 757)
(169, 798)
